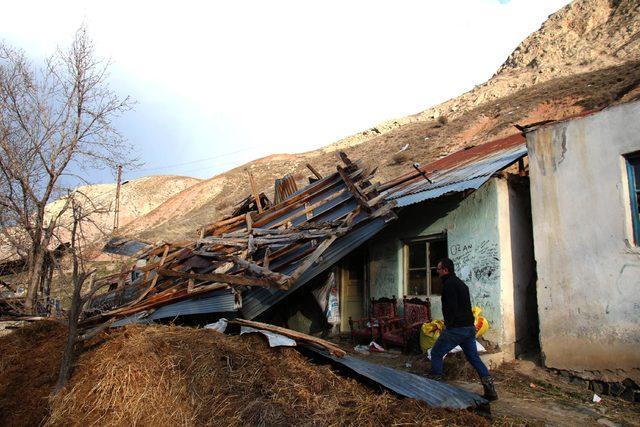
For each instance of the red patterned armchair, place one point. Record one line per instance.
(366, 329)
(397, 331)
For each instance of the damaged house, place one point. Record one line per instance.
(542, 225)
(462, 207)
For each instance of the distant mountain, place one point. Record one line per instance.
(585, 56)
(138, 197)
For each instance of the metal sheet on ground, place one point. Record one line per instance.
(433, 393)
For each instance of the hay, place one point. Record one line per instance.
(162, 375)
(29, 363)
(180, 376)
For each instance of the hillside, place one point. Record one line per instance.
(138, 197)
(585, 56)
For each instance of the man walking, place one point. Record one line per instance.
(459, 328)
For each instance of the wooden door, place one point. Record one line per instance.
(351, 290)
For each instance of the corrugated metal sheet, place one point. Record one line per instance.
(124, 246)
(433, 393)
(220, 301)
(257, 300)
(463, 170)
(284, 188)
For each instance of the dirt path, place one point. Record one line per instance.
(529, 394)
(512, 409)
(532, 395)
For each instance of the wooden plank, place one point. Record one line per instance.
(314, 171)
(308, 262)
(265, 260)
(310, 208)
(294, 202)
(154, 265)
(223, 278)
(224, 222)
(154, 280)
(249, 221)
(262, 271)
(254, 191)
(345, 159)
(334, 349)
(360, 199)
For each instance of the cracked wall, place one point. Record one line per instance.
(588, 266)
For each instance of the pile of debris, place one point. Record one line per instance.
(270, 249)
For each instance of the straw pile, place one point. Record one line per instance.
(158, 375)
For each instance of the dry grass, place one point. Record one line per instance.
(400, 158)
(181, 376)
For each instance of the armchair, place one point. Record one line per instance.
(397, 331)
(366, 329)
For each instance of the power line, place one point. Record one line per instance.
(133, 173)
(193, 161)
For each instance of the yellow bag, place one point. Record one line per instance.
(482, 324)
(429, 333)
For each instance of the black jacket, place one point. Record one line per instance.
(456, 303)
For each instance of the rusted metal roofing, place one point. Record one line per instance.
(462, 170)
(284, 188)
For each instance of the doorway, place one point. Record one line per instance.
(352, 273)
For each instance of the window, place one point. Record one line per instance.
(421, 258)
(633, 171)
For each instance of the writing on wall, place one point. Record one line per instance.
(477, 263)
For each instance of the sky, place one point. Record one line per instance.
(218, 84)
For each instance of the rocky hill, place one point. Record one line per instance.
(138, 197)
(585, 56)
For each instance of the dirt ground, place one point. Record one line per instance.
(529, 394)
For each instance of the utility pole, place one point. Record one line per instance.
(117, 208)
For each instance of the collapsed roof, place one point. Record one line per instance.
(258, 258)
(250, 262)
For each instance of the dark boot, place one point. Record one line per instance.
(434, 377)
(489, 389)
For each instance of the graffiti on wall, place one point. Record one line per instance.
(478, 262)
(478, 265)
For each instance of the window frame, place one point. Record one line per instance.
(632, 160)
(405, 261)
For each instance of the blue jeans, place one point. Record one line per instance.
(465, 337)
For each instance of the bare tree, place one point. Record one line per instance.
(54, 119)
(80, 216)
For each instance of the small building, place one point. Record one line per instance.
(472, 206)
(464, 208)
(585, 191)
